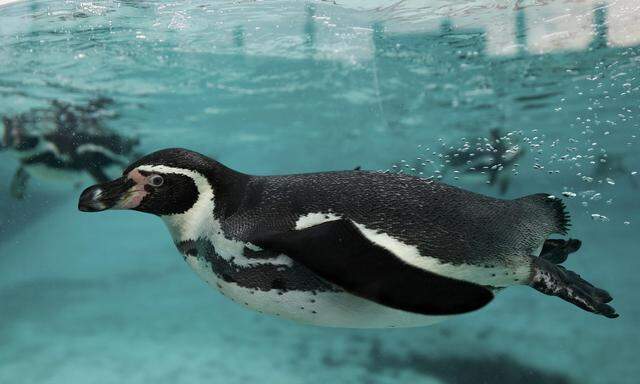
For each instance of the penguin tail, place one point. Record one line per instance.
(549, 210)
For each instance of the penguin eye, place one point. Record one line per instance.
(155, 180)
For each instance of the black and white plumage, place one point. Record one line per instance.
(352, 248)
(75, 145)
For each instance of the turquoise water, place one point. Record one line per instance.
(281, 87)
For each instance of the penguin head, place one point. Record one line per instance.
(164, 183)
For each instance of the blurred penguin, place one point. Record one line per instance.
(612, 166)
(74, 143)
(488, 158)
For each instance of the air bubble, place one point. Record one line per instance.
(599, 217)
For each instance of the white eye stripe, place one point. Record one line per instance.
(201, 182)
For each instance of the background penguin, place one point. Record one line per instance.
(77, 143)
(613, 166)
(352, 248)
(487, 157)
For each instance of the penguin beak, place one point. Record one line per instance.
(116, 194)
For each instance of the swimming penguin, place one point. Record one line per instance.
(77, 144)
(610, 166)
(488, 157)
(352, 248)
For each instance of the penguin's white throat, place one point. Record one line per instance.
(192, 224)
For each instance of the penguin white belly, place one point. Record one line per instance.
(330, 309)
(334, 308)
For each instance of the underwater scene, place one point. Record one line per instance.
(379, 274)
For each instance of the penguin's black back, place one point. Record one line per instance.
(445, 222)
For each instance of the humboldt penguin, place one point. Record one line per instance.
(350, 248)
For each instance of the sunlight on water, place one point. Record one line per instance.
(504, 98)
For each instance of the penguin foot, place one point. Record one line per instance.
(555, 280)
(557, 250)
(19, 184)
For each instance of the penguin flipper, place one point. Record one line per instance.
(19, 183)
(338, 252)
(555, 280)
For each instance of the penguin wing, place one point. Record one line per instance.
(338, 252)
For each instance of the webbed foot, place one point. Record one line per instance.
(556, 280)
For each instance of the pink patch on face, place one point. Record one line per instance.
(138, 177)
(133, 197)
